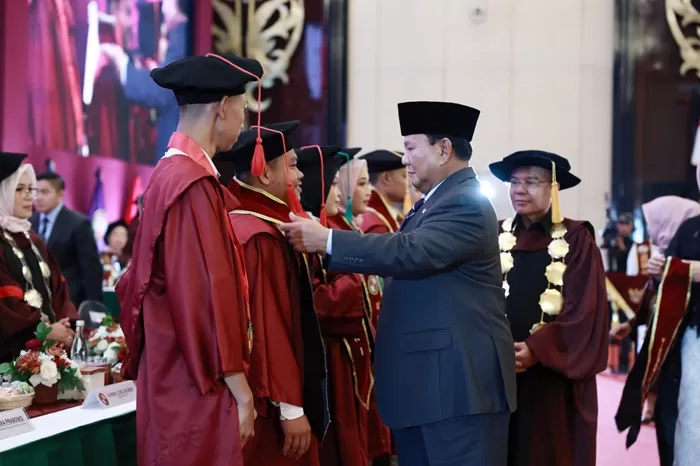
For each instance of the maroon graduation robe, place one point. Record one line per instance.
(18, 319)
(342, 305)
(287, 357)
(557, 416)
(183, 301)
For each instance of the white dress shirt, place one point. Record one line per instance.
(425, 197)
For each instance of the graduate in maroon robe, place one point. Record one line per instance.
(288, 368)
(342, 305)
(20, 313)
(561, 343)
(184, 302)
(388, 177)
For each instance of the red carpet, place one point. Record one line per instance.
(611, 444)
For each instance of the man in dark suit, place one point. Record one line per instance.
(444, 361)
(70, 238)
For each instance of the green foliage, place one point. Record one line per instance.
(6, 368)
(42, 331)
(70, 381)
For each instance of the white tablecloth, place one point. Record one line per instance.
(63, 421)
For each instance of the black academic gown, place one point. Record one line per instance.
(556, 420)
(684, 245)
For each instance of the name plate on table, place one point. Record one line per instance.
(14, 422)
(111, 395)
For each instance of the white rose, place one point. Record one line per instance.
(111, 354)
(558, 248)
(506, 262)
(507, 224)
(117, 333)
(48, 373)
(551, 302)
(506, 241)
(555, 273)
(101, 346)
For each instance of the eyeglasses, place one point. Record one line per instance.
(27, 191)
(528, 184)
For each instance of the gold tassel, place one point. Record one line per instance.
(556, 211)
(407, 200)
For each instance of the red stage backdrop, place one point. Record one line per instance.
(28, 116)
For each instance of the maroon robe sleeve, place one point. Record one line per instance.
(575, 343)
(341, 297)
(274, 371)
(203, 289)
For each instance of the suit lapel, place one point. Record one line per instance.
(447, 185)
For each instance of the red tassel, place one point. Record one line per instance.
(324, 215)
(258, 164)
(294, 204)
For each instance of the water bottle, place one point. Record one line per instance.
(79, 350)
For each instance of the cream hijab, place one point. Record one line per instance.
(348, 176)
(8, 186)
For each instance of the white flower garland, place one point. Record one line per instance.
(551, 300)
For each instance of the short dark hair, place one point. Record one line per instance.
(53, 178)
(374, 177)
(462, 147)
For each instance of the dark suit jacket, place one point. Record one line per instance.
(72, 243)
(444, 347)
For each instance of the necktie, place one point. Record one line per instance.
(42, 228)
(412, 212)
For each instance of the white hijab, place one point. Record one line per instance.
(8, 186)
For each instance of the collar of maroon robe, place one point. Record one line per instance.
(260, 203)
(378, 204)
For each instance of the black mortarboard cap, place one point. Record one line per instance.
(535, 158)
(350, 152)
(273, 141)
(309, 162)
(202, 79)
(382, 160)
(442, 118)
(9, 163)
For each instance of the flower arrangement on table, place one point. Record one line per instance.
(44, 364)
(108, 341)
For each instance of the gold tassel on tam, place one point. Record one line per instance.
(556, 211)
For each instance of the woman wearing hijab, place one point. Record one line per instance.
(677, 411)
(663, 216)
(31, 285)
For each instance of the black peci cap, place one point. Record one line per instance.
(443, 118)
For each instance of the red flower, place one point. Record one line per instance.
(122, 354)
(109, 339)
(61, 363)
(34, 345)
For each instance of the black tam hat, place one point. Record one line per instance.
(202, 79)
(209, 78)
(274, 137)
(536, 158)
(9, 163)
(381, 160)
(319, 171)
(443, 118)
